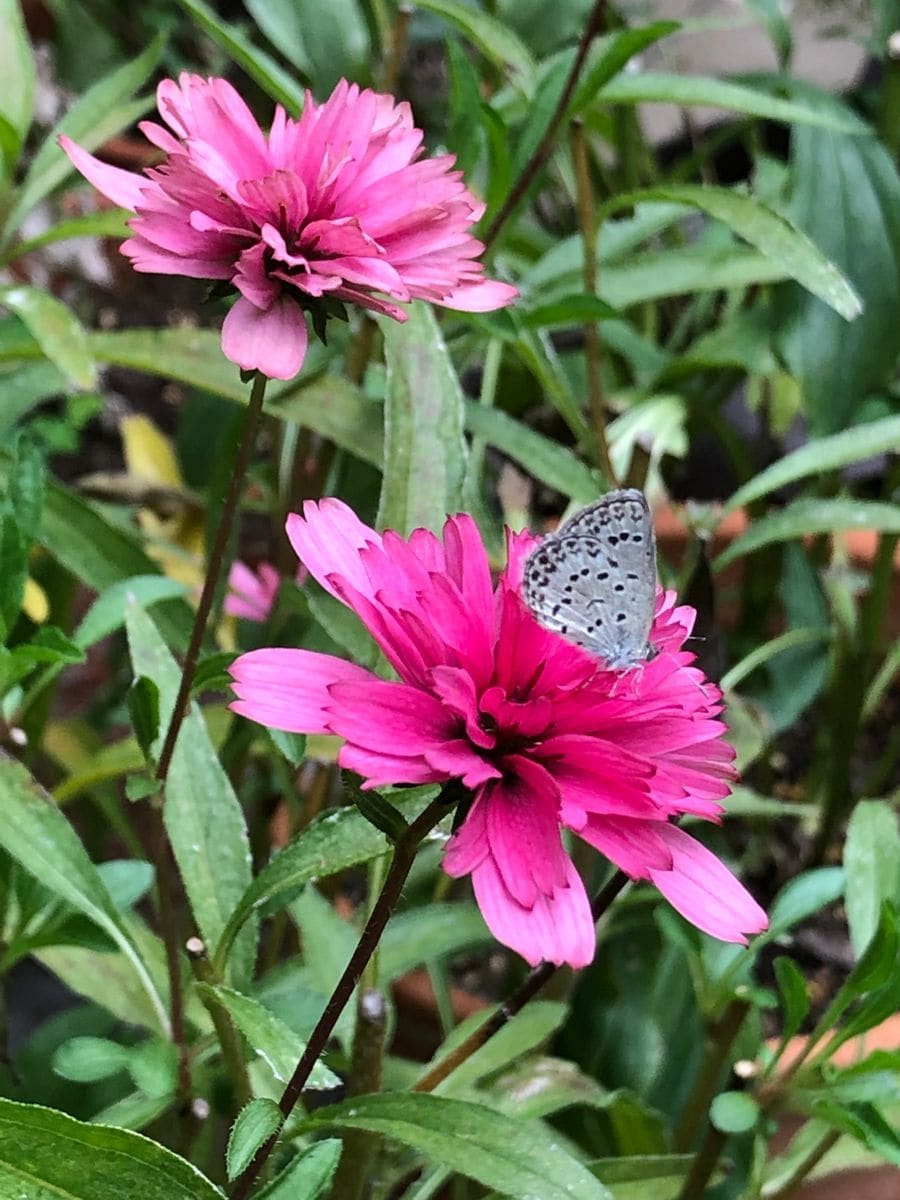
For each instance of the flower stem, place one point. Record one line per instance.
(807, 1164)
(719, 1042)
(592, 353)
(542, 151)
(396, 51)
(213, 571)
(365, 1078)
(404, 854)
(536, 978)
(165, 873)
(703, 1165)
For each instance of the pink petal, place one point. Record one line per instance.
(636, 847)
(559, 927)
(122, 187)
(705, 892)
(271, 341)
(327, 539)
(523, 831)
(289, 689)
(484, 296)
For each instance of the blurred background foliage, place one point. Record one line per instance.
(709, 262)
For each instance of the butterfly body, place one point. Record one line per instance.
(594, 580)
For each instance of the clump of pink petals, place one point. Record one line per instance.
(339, 204)
(251, 594)
(540, 732)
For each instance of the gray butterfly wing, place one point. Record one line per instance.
(595, 580)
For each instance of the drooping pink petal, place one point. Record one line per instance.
(705, 892)
(122, 187)
(272, 340)
(558, 928)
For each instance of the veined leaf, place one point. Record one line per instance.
(56, 329)
(656, 87)
(493, 38)
(16, 85)
(203, 818)
(517, 1159)
(811, 516)
(45, 1153)
(820, 455)
(425, 452)
(771, 234)
(37, 835)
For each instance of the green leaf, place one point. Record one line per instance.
(615, 53)
(260, 67)
(540, 112)
(428, 934)
(16, 85)
(734, 1112)
(684, 269)
(255, 1124)
(803, 896)
(657, 87)
(87, 1059)
(56, 329)
(274, 1041)
(153, 1065)
(871, 859)
(493, 38)
(820, 455)
(875, 973)
(325, 41)
(770, 232)
(107, 979)
(557, 466)
(46, 1154)
(424, 448)
(807, 516)
(570, 310)
(307, 1176)
(23, 386)
(328, 405)
(517, 1159)
(526, 1031)
(794, 997)
(109, 223)
(99, 555)
(291, 745)
(104, 110)
(865, 1123)
(13, 571)
(872, 863)
(39, 837)
(334, 841)
(143, 708)
(203, 817)
(107, 613)
(859, 230)
(759, 656)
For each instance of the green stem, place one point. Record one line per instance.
(404, 855)
(213, 570)
(719, 1042)
(703, 1165)
(365, 1079)
(806, 1165)
(592, 351)
(229, 1040)
(889, 117)
(544, 148)
(166, 876)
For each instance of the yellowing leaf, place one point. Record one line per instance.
(149, 455)
(35, 603)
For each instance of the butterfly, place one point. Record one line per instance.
(594, 579)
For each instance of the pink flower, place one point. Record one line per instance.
(336, 206)
(251, 594)
(542, 734)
